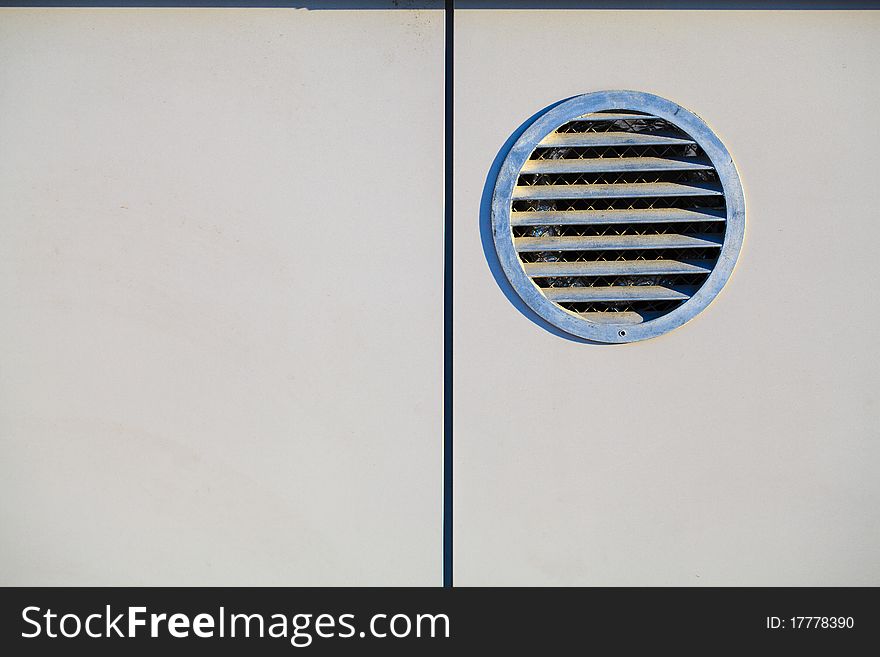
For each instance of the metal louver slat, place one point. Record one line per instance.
(626, 317)
(619, 293)
(618, 268)
(639, 190)
(617, 164)
(616, 242)
(614, 217)
(592, 139)
(613, 116)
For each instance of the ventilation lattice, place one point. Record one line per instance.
(617, 216)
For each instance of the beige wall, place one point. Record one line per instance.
(220, 296)
(220, 307)
(743, 447)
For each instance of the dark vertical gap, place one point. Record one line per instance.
(449, 16)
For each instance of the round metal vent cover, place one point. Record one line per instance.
(618, 216)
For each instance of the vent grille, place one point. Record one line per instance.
(618, 216)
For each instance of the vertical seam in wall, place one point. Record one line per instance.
(449, 20)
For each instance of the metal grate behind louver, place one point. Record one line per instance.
(618, 216)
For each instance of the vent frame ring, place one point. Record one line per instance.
(557, 116)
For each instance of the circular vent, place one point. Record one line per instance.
(618, 216)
